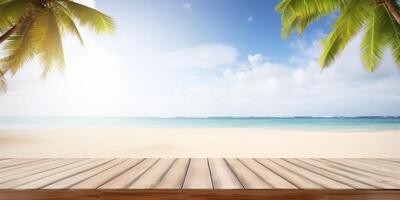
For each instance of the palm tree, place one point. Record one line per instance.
(30, 28)
(379, 19)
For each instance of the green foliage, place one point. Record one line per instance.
(19, 48)
(380, 28)
(90, 17)
(11, 11)
(39, 28)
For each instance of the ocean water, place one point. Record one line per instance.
(297, 123)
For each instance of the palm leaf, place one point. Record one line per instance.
(90, 17)
(305, 8)
(392, 30)
(50, 47)
(332, 45)
(298, 14)
(12, 11)
(65, 21)
(374, 40)
(3, 83)
(352, 16)
(19, 48)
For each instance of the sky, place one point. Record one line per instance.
(198, 59)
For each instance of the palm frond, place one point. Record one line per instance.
(65, 21)
(332, 45)
(305, 8)
(19, 48)
(90, 17)
(298, 14)
(3, 83)
(374, 39)
(50, 48)
(392, 30)
(353, 15)
(12, 11)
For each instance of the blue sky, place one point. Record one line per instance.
(202, 58)
(252, 26)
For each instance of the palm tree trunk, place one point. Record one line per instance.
(392, 7)
(8, 33)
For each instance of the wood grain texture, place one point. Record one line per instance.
(153, 176)
(294, 178)
(44, 172)
(222, 176)
(392, 181)
(348, 174)
(267, 175)
(247, 177)
(175, 176)
(29, 169)
(43, 182)
(127, 178)
(116, 174)
(79, 177)
(342, 179)
(198, 175)
(98, 180)
(312, 176)
(17, 163)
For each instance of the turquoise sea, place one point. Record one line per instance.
(308, 123)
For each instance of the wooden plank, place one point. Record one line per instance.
(267, 175)
(198, 175)
(247, 178)
(27, 169)
(222, 176)
(395, 160)
(206, 174)
(314, 177)
(153, 176)
(128, 177)
(17, 162)
(361, 165)
(7, 161)
(43, 182)
(107, 175)
(391, 160)
(28, 164)
(331, 175)
(72, 180)
(296, 179)
(377, 166)
(44, 173)
(44, 168)
(388, 180)
(348, 174)
(175, 177)
(388, 161)
(388, 165)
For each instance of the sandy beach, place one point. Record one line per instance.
(196, 142)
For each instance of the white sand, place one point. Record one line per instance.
(196, 142)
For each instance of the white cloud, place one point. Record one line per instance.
(255, 59)
(187, 6)
(203, 80)
(250, 19)
(275, 89)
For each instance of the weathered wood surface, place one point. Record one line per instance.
(199, 173)
(195, 178)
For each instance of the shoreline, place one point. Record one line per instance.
(196, 142)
